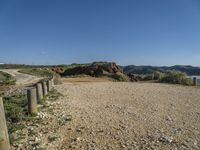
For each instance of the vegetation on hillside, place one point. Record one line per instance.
(40, 72)
(98, 69)
(6, 79)
(23, 66)
(174, 77)
(119, 77)
(189, 70)
(15, 111)
(162, 74)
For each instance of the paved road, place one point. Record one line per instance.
(21, 78)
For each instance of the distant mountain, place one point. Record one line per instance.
(189, 70)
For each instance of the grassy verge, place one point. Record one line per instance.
(42, 72)
(37, 72)
(6, 79)
(16, 113)
(51, 96)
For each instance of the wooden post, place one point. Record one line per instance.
(39, 92)
(52, 80)
(4, 138)
(49, 85)
(194, 81)
(32, 101)
(44, 87)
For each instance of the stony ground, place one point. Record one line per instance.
(117, 116)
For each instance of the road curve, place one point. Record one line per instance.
(21, 78)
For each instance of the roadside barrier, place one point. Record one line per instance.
(34, 95)
(44, 88)
(4, 138)
(49, 85)
(32, 101)
(39, 92)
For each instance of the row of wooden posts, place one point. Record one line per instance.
(37, 93)
(34, 95)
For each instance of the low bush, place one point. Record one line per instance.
(148, 77)
(176, 77)
(119, 77)
(57, 79)
(6, 79)
(153, 76)
(157, 75)
(15, 111)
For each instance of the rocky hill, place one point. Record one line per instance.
(98, 69)
(95, 69)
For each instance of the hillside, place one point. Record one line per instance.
(189, 70)
(98, 69)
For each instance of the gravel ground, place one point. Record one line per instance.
(120, 116)
(131, 116)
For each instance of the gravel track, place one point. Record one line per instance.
(21, 78)
(114, 116)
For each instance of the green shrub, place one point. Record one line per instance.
(15, 112)
(6, 79)
(158, 75)
(120, 77)
(176, 77)
(187, 81)
(57, 79)
(153, 76)
(14, 107)
(148, 77)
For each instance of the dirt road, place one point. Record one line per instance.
(22, 79)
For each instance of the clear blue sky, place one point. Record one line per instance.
(140, 32)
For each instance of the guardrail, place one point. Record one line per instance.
(34, 95)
